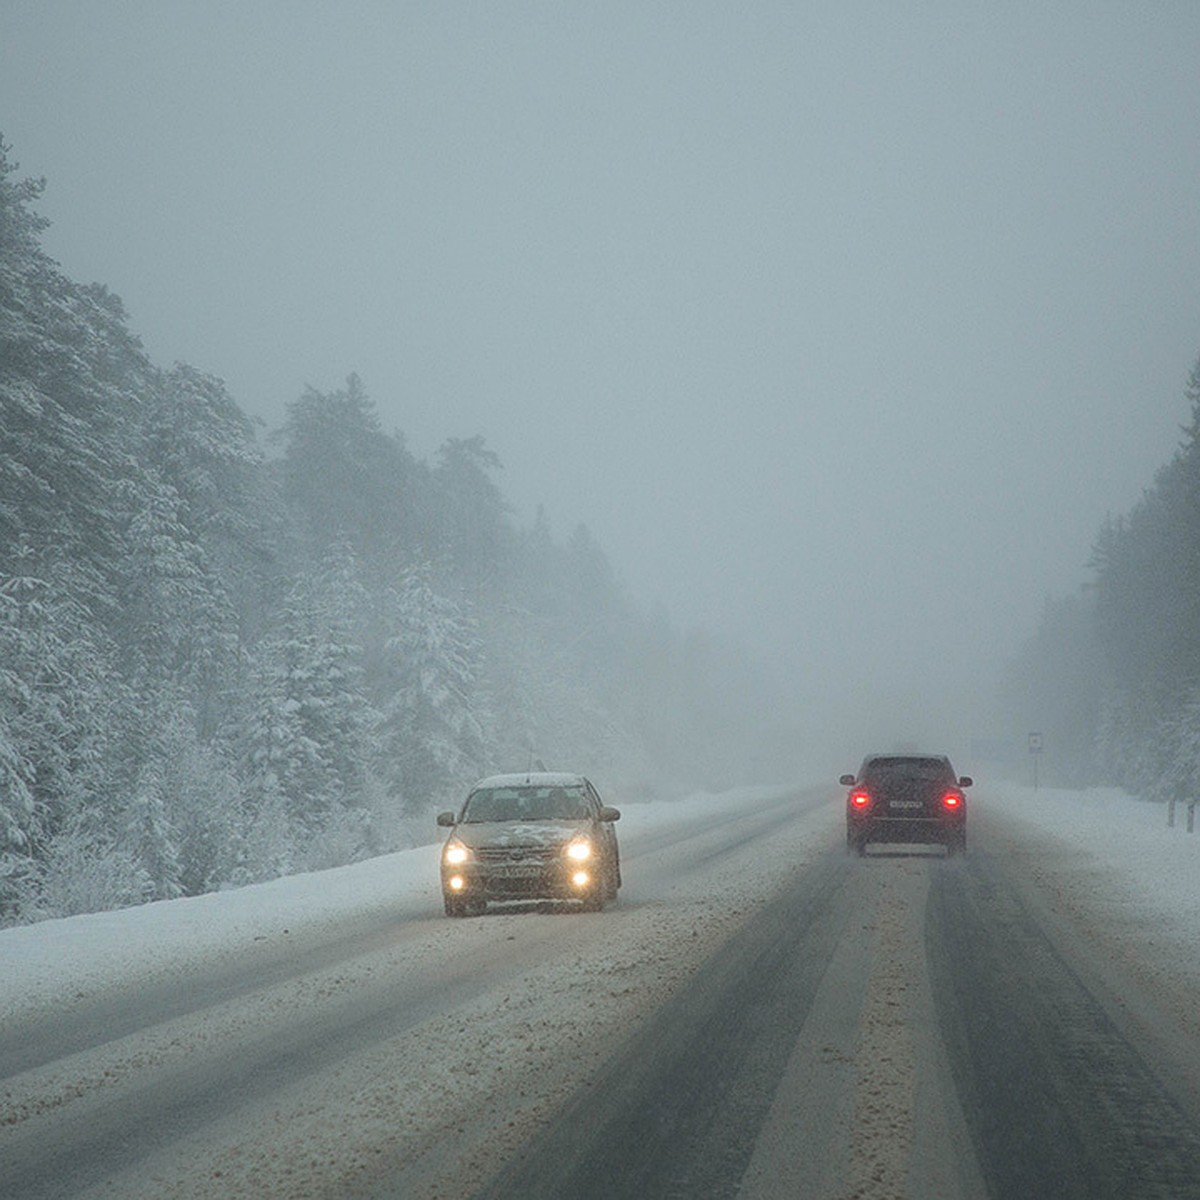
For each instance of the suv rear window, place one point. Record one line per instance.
(935, 770)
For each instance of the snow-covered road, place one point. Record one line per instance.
(334, 1031)
(334, 1035)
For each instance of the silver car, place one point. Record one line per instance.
(526, 837)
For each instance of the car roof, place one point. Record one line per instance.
(532, 779)
(872, 759)
(906, 757)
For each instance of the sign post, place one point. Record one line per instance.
(1035, 750)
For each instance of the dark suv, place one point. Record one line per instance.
(528, 837)
(906, 798)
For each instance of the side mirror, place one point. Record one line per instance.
(446, 819)
(965, 781)
(609, 814)
(846, 780)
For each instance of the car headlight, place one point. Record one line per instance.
(456, 852)
(580, 850)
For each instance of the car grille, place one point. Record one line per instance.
(516, 854)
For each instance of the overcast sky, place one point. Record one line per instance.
(841, 326)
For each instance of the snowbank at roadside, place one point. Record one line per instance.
(1120, 843)
(1126, 883)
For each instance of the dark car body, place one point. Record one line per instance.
(527, 837)
(906, 798)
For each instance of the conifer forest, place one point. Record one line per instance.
(230, 653)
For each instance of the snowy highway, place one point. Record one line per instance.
(760, 1015)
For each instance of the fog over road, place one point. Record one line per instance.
(760, 1015)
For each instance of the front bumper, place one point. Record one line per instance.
(520, 881)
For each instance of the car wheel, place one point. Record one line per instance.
(454, 906)
(957, 844)
(613, 875)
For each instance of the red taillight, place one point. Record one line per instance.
(860, 799)
(951, 799)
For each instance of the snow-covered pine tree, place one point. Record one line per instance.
(203, 447)
(472, 528)
(434, 730)
(344, 478)
(71, 381)
(308, 740)
(61, 707)
(150, 838)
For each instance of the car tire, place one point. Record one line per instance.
(957, 845)
(614, 879)
(454, 906)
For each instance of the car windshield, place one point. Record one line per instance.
(886, 770)
(525, 804)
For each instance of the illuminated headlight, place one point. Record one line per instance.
(581, 879)
(456, 852)
(579, 851)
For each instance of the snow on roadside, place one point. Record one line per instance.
(85, 956)
(1127, 882)
(1136, 862)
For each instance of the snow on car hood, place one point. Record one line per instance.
(518, 833)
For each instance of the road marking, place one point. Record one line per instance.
(881, 1132)
(866, 1108)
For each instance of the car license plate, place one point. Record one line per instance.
(519, 871)
(906, 804)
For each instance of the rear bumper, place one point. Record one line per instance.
(939, 831)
